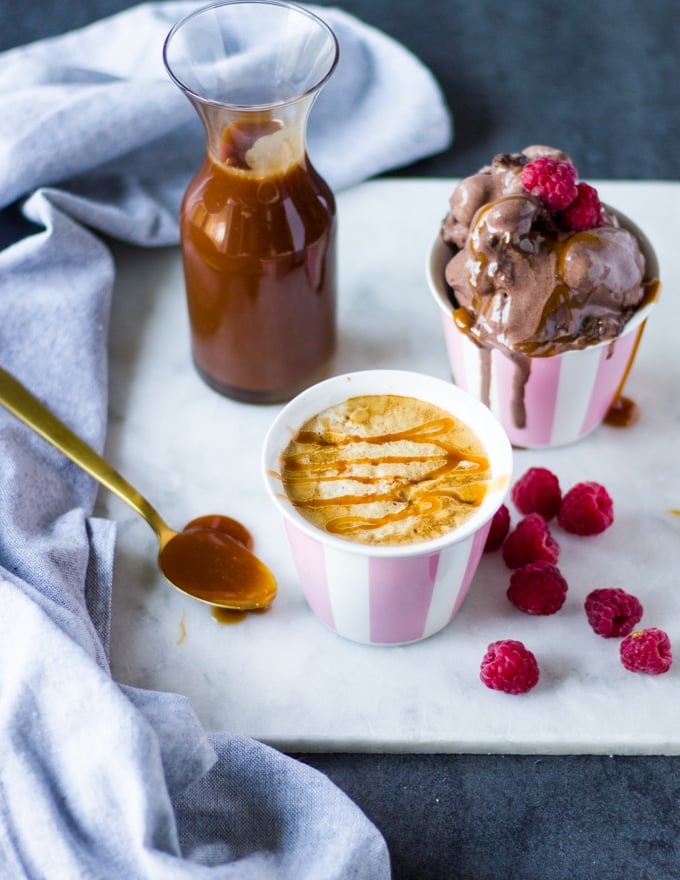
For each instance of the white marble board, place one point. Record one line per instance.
(282, 677)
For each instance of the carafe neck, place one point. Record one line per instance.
(257, 142)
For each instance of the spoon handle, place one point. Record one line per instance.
(26, 407)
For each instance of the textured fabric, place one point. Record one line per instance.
(100, 780)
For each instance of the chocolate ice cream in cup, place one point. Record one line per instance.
(387, 482)
(541, 322)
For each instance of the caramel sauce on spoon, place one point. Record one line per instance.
(236, 530)
(211, 560)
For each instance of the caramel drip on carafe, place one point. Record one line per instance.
(449, 471)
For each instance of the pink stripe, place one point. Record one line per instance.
(310, 562)
(613, 361)
(400, 591)
(476, 550)
(540, 398)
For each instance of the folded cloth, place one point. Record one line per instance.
(98, 779)
(95, 112)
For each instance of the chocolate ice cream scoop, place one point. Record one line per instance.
(527, 283)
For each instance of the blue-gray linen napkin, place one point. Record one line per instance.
(99, 780)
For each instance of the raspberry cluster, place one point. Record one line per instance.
(538, 587)
(577, 205)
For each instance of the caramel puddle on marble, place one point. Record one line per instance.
(623, 413)
(229, 617)
(223, 616)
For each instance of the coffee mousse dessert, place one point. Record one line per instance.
(385, 469)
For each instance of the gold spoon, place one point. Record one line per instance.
(209, 560)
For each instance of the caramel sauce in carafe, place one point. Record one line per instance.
(259, 253)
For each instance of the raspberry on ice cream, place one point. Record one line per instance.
(530, 541)
(510, 667)
(537, 588)
(612, 612)
(587, 509)
(537, 491)
(647, 650)
(552, 180)
(585, 212)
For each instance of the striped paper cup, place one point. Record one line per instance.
(382, 594)
(565, 396)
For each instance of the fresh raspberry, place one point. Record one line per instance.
(500, 526)
(612, 612)
(509, 666)
(530, 541)
(587, 509)
(538, 491)
(647, 650)
(537, 588)
(553, 181)
(585, 212)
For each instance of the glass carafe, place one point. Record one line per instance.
(257, 221)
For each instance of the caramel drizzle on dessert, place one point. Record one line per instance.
(453, 473)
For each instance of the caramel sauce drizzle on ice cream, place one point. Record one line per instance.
(385, 469)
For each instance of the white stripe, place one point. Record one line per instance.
(577, 380)
(496, 366)
(450, 572)
(347, 575)
(472, 361)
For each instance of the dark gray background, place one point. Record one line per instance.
(601, 80)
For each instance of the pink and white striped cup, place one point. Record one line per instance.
(565, 396)
(387, 594)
